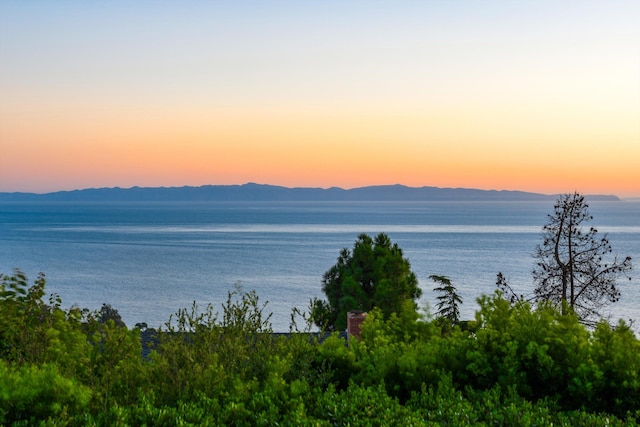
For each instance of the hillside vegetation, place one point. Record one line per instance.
(514, 365)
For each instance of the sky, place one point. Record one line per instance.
(539, 96)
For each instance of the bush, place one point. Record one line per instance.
(514, 365)
(34, 393)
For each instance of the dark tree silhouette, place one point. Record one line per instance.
(575, 268)
(509, 293)
(107, 313)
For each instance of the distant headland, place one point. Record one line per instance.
(264, 192)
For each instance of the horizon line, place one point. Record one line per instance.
(248, 183)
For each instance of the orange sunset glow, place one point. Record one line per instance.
(533, 96)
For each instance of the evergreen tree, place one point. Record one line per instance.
(448, 300)
(373, 274)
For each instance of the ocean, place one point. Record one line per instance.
(148, 260)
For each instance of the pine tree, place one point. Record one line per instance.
(373, 274)
(448, 300)
(575, 268)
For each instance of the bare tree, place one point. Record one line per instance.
(575, 269)
(509, 293)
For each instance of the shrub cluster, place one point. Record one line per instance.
(511, 366)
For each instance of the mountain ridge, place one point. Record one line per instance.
(265, 192)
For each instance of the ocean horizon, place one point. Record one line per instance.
(148, 260)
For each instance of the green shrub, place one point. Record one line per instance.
(361, 406)
(612, 379)
(34, 393)
(513, 366)
(24, 318)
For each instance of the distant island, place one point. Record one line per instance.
(264, 192)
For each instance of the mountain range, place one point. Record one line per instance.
(264, 192)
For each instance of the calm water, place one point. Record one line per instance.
(149, 260)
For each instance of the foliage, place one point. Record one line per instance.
(571, 268)
(38, 392)
(448, 300)
(107, 313)
(199, 353)
(24, 318)
(514, 365)
(373, 274)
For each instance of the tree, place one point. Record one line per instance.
(449, 299)
(509, 293)
(107, 313)
(24, 318)
(571, 269)
(373, 274)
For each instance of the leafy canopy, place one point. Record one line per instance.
(516, 364)
(373, 274)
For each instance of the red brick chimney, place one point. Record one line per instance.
(354, 323)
